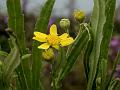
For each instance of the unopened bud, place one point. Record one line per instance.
(48, 54)
(64, 23)
(79, 15)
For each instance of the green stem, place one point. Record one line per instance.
(55, 81)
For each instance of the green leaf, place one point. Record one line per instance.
(43, 20)
(114, 85)
(41, 26)
(97, 22)
(24, 57)
(107, 33)
(76, 48)
(88, 50)
(22, 72)
(11, 62)
(16, 21)
(3, 55)
(56, 68)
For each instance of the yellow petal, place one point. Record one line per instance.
(63, 36)
(56, 46)
(39, 34)
(53, 30)
(67, 41)
(44, 46)
(41, 37)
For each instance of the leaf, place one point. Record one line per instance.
(41, 26)
(16, 21)
(3, 55)
(76, 48)
(43, 20)
(56, 68)
(114, 85)
(24, 57)
(11, 62)
(88, 50)
(97, 22)
(107, 33)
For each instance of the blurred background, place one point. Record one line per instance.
(62, 9)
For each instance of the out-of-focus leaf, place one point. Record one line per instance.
(16, 21)
(26, 56)
(114, 84)
(11, 62)
(3, 55)
(41, 26)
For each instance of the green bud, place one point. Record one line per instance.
(65, 23)
(79, 15)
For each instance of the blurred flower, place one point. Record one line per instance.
(64, 23)
(51, 21)
(79, 15)
(48, 54)
(114, 47)
(53, 39)
(117, 72)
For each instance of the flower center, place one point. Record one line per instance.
(53, 39)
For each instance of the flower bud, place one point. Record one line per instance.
(48, 54)
(79, 15)
(64, 23)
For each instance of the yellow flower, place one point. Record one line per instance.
(48, 54)
(52, 39)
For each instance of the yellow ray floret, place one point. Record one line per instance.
(52, 39)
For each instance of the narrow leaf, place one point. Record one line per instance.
(16, 21)
(3, 55)
(79, 44)
(107, 33)
(97, 22)
(41, 26)
(11, 62)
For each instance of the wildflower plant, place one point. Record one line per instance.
(17, 72)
